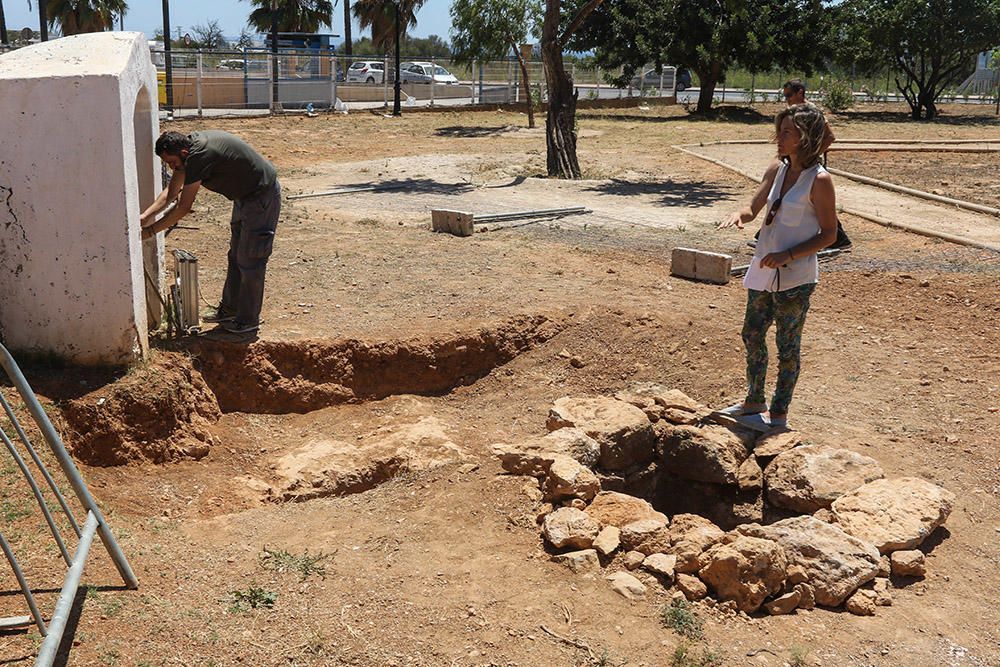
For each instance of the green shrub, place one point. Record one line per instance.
(837, 96)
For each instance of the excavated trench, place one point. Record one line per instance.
(162, 411)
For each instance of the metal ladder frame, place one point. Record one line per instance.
(95, 523)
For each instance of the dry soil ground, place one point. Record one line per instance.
(444, 566)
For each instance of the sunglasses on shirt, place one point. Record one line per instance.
(773, 212)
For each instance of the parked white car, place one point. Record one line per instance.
(366, 71)
(423, 72)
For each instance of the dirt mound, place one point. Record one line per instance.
(159, 412)
(279, 377)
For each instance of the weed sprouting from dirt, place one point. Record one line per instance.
(684, 656)
(254, 597)
(605, 659)
(679, 617)
(305, 564)
(110, 607)
(798, 656)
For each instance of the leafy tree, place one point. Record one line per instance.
(424, 47)
(78, 16)
(209, 35)
(490, 30)
(708, 38)
(245, 41)
(560, 119)
(388, 20)
(931, 43)
(293, 15)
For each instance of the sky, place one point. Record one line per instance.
(147, 16)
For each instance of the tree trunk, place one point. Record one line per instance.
(347, 34)
(560, 123)
(527, 82)
(707, 79)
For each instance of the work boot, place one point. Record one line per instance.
(217, 315)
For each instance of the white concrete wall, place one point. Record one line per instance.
(79, 119)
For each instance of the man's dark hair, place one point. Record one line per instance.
(172, 143)
(795, 85)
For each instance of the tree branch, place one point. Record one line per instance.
(578, 20)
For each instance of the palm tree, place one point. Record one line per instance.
(293, 15)
(388, 20)
(78, 16)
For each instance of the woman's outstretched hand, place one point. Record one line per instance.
(735, 220)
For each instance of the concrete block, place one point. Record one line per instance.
(77, 168)
(458, 223)
(712, 267)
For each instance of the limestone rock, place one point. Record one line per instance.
(659, 402)
(607, 540)
(746, 570)
(835, 563)
(657, 542)
(534, 456)
(882, 588)
(784, 604)
(627, 586)
(324, 467)
(705, 454)
(807, 599)
(749, 477)
(568, 527)
(691, 586)
(811, 477)
(825, 515)
(635, 533)
(909, 563)
(862, 603)
(633, 559)
(661, 565)
(580, 562)
(623, 431)
(611, 508)
(772, 444)
(568, 478)
(884, 566)
(690, 535)
(894, 514)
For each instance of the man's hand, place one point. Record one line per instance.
(776, 259)
(735, 220)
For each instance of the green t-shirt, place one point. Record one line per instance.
(225, 164)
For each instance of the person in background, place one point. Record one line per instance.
(801, 220)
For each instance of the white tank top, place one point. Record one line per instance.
(794, 223)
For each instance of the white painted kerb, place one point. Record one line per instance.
(79, 119)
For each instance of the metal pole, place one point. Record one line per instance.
(3, 26)
(169, 84)
(275, 99)
(385, 81)
(480, 82)
(433, 74)
(25, 589)
(198, 83)
(396, 84)
(333, 82)
(67, 465)
(60, 615)
(43, 21)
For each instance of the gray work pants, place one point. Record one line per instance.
(254, 221)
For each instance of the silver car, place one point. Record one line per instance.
(421, 72)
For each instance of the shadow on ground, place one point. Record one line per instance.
(473, 132)
(671, 193)
(733, 114)
(944, 118)
(416, 185)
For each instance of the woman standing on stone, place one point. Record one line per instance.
(801, 220)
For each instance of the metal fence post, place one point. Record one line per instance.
(385, 80)
(333, 82)
(198, 83)
(433, 75)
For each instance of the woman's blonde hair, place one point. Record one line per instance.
(812, 126)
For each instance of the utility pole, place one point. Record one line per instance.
(166, 56)
(3, 27)
(275, 102)
(347, 29)
(43, 21)
(396, 111)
